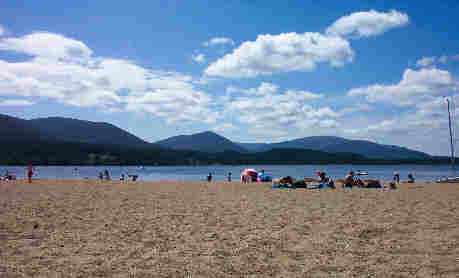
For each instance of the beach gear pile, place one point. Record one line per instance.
(251, 175)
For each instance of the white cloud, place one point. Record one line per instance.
(15, 102)
(282, 53)
(200, 58)
(426, 61)
(265, 108)
(415, 110)
(218, 40)
(65, 70)
(433, 60)
(47, 45)
(2, 30)
(415, 86)
(366, 24)
(223, 127)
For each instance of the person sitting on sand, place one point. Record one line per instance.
(410, 178)
(349, 180)
(323, 177)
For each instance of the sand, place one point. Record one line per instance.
(199, 229)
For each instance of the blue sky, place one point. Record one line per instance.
(253, 71)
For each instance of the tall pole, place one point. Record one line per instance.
(453, 167)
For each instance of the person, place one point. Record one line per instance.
(262, 172)
(349, 180)
(287, 180)
(30, 172)
(410, 178)
(209, 177)
(323, 176)
(107, 174)
(101, 176)
(396, 178)
(229, 176)
(122, 177)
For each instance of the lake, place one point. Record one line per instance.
(424, 173)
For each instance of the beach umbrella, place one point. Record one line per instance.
(249, 173)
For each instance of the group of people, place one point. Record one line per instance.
(322, 182)
(350, 181)
(8, 176)
(105, 175)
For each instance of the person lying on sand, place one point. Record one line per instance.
(372, 183)
(287, 180)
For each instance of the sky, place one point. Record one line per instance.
(252, 71)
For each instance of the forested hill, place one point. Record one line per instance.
(64, 141)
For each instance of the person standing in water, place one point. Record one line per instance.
(229, 176)
(209, 177)
(30, 172)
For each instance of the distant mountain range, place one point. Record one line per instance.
(58, 129)
(204, 142)
(211, 142)
(70, 141)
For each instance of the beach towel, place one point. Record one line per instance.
(321, 185)
(282, 186)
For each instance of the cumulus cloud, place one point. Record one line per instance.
(65, 70)
(366, 24)
(267, 108)
(433, 60)
(285, 52)
(199, 58)
(415, 108)
(415, 86)
(426, 61)
(47, 45)
(15, 102)
(218, 40)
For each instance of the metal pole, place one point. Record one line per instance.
(453, 167)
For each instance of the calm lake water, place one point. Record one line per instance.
(425, 173)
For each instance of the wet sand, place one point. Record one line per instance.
(197, 229)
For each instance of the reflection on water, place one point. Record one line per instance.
(220, 172)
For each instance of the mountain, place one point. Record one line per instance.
(19, 130)
(334, 144)
(256, 147)
(204, 142)
(67, 141)
(79, 131)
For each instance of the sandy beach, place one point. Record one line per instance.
(197, 229)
